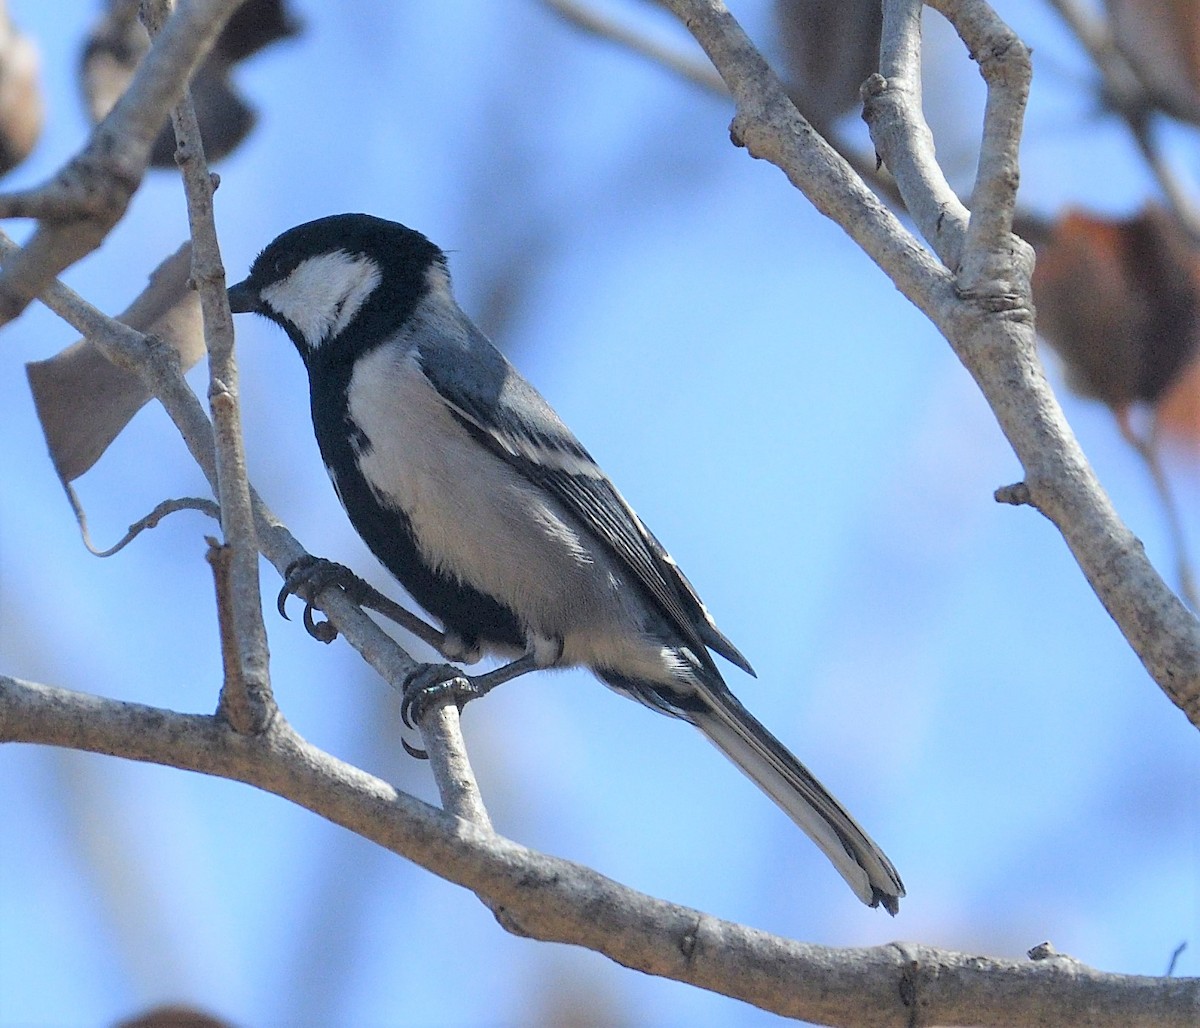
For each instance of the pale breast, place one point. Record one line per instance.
(473, 515)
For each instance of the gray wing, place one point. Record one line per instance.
(512, 420)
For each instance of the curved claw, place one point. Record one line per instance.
(322, 631)
(413, 751)
(430, 683)
(296, 575)
(281, 601)
(306, 576)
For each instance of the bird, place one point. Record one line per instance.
(472, 492)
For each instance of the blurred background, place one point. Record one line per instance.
(795, 432)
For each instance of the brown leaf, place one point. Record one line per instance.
(21, 109)
(1178, 414)
(83, 401)
(1119, 300)
(118, 42)
(173, 1015)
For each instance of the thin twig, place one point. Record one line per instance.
(441, 734)
(233, 490)
(702, 75)
(235, 703)
(1175, 193)
(1176, 953)
(991, 253)
(1146, 447)
(892, 104)
(151, 520)
(1129, 92)
(584, 17)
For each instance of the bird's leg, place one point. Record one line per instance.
(307, 576)
(433, 683)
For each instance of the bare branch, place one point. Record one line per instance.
(452, 771)
(583, 17)
(990, 327)
(892, 104)
(233, 705)
(246, 645)
(1129, 90)
(1147, 448)
(991, 250)
(556, 900)
(151, 520)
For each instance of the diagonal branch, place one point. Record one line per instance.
(78, 207)
(1129, 89)
(555, 900)
(990, 325)
(598, 24)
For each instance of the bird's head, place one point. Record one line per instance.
(340, 284)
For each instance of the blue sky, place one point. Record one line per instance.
(795, 432)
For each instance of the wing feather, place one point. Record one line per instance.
(518, 426)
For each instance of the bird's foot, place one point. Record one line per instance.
(428, 687)
(433, 684)
(308, 576)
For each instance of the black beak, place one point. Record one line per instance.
(243, 298)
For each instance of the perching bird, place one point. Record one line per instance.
(471, 491)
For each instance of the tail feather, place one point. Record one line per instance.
(766, 761)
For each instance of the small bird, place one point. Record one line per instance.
(472, 492)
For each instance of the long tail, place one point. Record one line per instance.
(766, 761)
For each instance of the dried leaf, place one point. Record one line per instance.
(1119, 300)
(1178, 414)
(83, 401)
(118, 42)
(174, 1015)
(21, 108)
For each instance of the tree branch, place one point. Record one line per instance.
(983, 310)
(78, 207)
(987, 318)
(892, 100)
(555, 900)
(247, 663)
(698, 72)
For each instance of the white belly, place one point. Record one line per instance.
(477, 518)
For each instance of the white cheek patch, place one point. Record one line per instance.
(322, 294)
